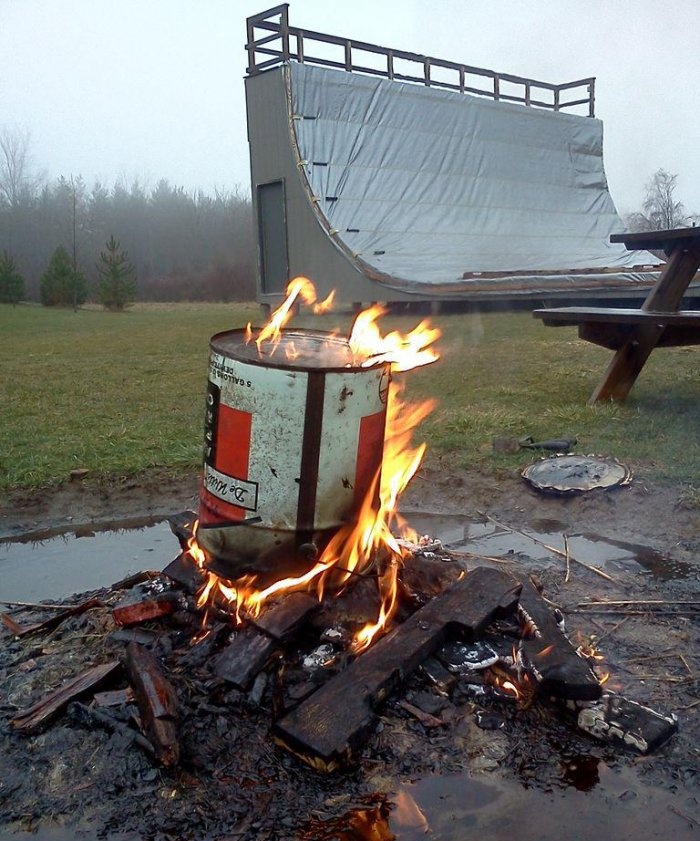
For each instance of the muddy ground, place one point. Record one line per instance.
(233, 782)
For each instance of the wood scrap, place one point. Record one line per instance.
(20, 630)
(31, 719)
(428, 720)
(156, 701)
(549, 655)
(134, 613)
(96, 717)
(253, 647)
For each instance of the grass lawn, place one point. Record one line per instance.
(119, 393)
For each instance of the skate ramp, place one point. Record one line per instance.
(438, 193)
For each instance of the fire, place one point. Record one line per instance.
(300, 287)
(589, 650)
(369, 542)
(404, 351)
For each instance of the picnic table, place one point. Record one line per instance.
(634, 333)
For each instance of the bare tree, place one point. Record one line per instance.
(16, 177)
(660, 206)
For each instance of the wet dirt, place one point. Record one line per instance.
(537, 772)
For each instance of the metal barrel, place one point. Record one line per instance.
(294, 439)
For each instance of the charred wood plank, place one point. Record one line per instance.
(241, 661)
(185, 572)
(156, 701)
(285, 617)
(20, 630)
(251, 650)
(34, 717)
(182, 526)
(327, 728)
(549, 655)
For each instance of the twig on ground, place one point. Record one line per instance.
(568, 559)
(549, 548)
(623, 602)
(683, 815)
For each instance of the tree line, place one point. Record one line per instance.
(181, 245)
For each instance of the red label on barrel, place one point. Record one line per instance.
(370, 448)
(229, 456)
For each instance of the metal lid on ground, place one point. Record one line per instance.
(571, 474)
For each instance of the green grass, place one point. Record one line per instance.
(119, 393)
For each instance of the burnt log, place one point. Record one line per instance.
(284, 618)
(327, 729)
(156, 701)
(559, 671)
(34, 717)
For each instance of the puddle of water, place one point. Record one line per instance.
(458, 533)
(61, 566)
(457, 807)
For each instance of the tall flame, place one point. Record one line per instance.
(300, 287)
(369, 541)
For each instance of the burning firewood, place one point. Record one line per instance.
(241, 661)
(134, 613)
(548, 654)
(327, 728)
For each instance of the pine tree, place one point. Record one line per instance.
(117, 285)
(62, 285)
(11, 281)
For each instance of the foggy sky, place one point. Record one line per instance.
(125, 89)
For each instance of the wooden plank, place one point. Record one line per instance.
(572, 316)
(285, 617)
(156, 701)
(241, 661)
(134, 613)
(326, 729)
(559, 670)
(656, 240)
(250, 651)
(34, 717)
(185, 572)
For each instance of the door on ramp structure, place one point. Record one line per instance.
(272, 231)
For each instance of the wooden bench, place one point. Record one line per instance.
(634, 333)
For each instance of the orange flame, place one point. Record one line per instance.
(404, 351)
(368, 541)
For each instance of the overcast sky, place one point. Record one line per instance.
(116, 89)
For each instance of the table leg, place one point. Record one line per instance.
(626, 365)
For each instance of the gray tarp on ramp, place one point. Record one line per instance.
(438, 191)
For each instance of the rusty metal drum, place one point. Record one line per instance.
(294, 438)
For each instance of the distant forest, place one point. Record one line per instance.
(184, 246)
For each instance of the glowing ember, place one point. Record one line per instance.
(368, 541)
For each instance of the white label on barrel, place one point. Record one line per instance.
(237, 492)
